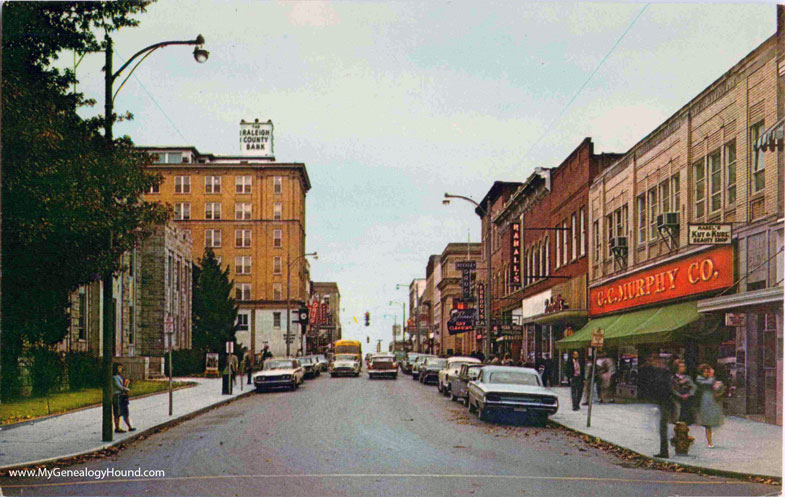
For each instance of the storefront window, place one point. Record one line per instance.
(770, 351)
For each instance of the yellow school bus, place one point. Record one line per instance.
(348, 347)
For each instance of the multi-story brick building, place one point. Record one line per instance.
(431, 303)
(326, 327)
(450, 296)
(415, 326)
(250, 210)
(650, 288)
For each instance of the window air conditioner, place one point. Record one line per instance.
(618, 242)
(668, 220)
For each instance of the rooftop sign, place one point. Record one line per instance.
(256, 139)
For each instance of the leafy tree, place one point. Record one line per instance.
(214, 309)
(65, 192)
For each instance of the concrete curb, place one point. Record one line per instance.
(691, 467)
(119, 443)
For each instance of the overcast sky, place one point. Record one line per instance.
(391, 104)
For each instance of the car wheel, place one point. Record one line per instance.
(483, 413)
(452, 396)
(469, 404)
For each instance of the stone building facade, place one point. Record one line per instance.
(450, 295)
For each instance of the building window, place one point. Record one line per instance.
(574, 231)
(212, 210)
(242, 211)
(277, 291)
(212, 238)
(665, 197)
(242, 238)
(558, 248)
(212, 184)
(277, 184)
(277, 238)
(597, 241)
(699, 177)
(653, 214)
(174, 158)
(277, 264)
(730, 173)
(242, 264)
(675, 193)
(156, 188)
(182, 211)
(758, 162)
(277, 320)
(715, 181)
(182, 184)
(547, 249)
(609, 224)
(277, 211)
(642, 218)
(243, 321)
(242, 184)
(81, 334)
(565, 237)
(242, 291)
(582, 239)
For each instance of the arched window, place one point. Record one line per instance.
(547, 257)
(541, 273)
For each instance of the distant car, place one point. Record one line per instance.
(458, 383)
(345, 364)
(400, 358)
(322, 361)
(418, 361)
(279, 373)
(512, 390)
(406, 367)
(453, 367)
(311, 367)
(429, 370)
(382, 365)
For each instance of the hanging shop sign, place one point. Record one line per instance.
(735, 319)
(515, 251)
(692, 275)
(481, 304)
(709, 234)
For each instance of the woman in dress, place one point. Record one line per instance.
(708, 411)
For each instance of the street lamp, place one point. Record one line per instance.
(288, 290)
(200, 55)
(403, 317)
(482, 212)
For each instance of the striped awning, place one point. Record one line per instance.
(773, 138)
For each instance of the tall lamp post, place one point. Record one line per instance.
(482, 212)
(201, 56)
(288, 292)
(403, 317)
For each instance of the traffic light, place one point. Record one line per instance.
(367, 339)
(303, 315)
(367, 319)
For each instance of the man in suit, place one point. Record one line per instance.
(654, 384)
(575, 373)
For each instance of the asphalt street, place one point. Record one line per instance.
(361, 437)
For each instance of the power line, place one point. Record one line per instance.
(613, 48)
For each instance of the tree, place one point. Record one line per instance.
(64, 191)
(214, 309)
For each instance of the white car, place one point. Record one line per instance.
(279, 373)
(513, 390)
(453, 368)
(382, 365)
(345, 364)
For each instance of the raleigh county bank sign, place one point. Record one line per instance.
(256, 139)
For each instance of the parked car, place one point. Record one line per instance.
(417, 363)
(458, 383)
(400, 358)
(429, 370)
(453, 367)
(512, 390)
(311, 367)
(322, 361)
(279, 373)
(345, 364)
(406, 367)
(382, 365)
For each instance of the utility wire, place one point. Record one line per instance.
(613, 48)
(155, 102)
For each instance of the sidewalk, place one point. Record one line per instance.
(741, 446)
(79, 432)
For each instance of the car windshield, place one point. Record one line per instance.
(440, 363)
(305, 360)
(514, 378)
(278, 364)
(458, 364)
(345, 357)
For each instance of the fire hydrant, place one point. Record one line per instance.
(681, 438)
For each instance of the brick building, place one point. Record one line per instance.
(431, 302)
(416, 326)
(450, 295)
(326, 327)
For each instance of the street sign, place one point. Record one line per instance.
(461, 265)
(169, 324)
(709, 234)
(735, 319)
(230, 347)
(288, 338)
(598, 338)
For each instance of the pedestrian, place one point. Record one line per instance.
(708, 411)
(682, 389)
(120, 401)
(507, 360)
(266, 354)
(575, 372)
(248, 364)
(605, 371)
(495, 360)
(654, 383)
(234, 365)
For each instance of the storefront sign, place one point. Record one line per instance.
(692, 275)
(314, 318)
(515, 246)
(735, 319)
(256, 139)
(481, 304)
(461, 265)
(466, 284)
(709, 234)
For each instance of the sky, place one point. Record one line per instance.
(392, 104)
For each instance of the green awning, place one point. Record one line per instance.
(656, 325)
